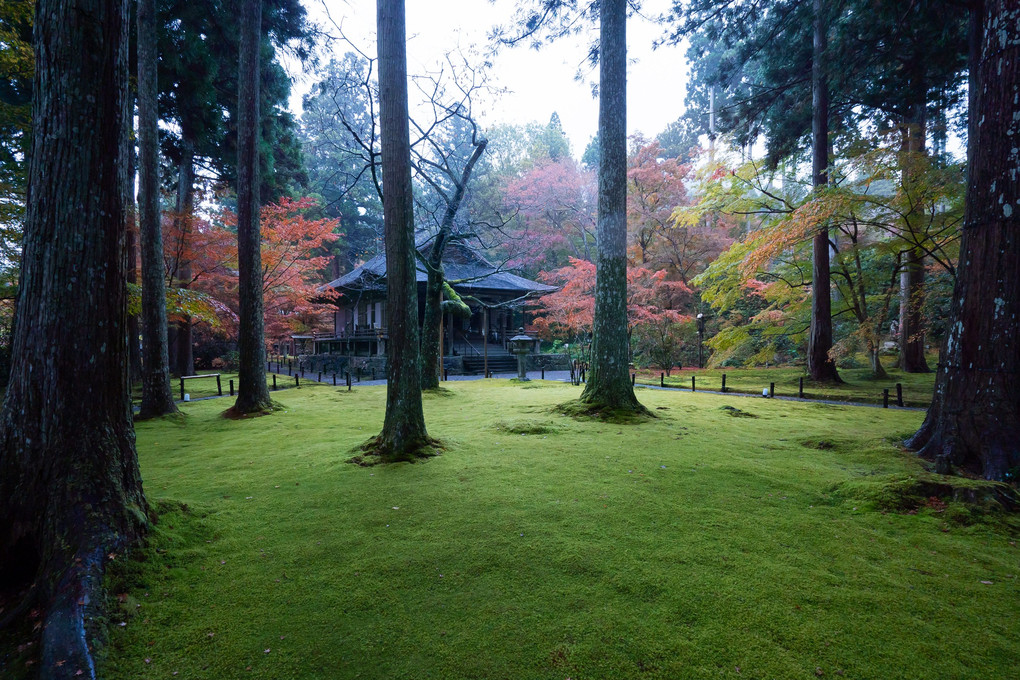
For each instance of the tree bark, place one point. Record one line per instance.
(70, 489)
(609, 384)
(157, 395)
(821, 367)
(184, 352)
(253, 392)
(131, 248)
(973, 420)
(403, 434)
(911, 326)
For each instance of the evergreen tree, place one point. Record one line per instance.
(70, 489)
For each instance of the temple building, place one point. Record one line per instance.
(496, 299)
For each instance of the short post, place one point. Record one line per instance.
(231, 388)
(319, 379)
(633, 379)
(694, 386)
(182, 388)
(772, 390)
(446, 373)
(885, 398)
(334, 380)
(269, 365)
(543, 373)
(800, 390)
(290, 365)
(899, 394)
(274, 382)
(373, 373)
(662, 380)
(583, 376)
(348, 374)
(219, 386)
(723, 382)
(297, 380)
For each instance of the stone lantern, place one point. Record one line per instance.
(521, 345)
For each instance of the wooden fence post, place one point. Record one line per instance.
(694, 386)
(182, 388)
(899, 394)
(724, 382)
(800, 390)
(274, 382)
(772, 390)
(219, 386)
(885, 398)
(231, 387)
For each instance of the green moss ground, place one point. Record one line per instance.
(694, 545)
(858, 385)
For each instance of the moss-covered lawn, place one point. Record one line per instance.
(857, 386)
(713, 542)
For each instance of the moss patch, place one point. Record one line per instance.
(602, 551)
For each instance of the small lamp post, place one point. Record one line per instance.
(701, 339)
(521, 345)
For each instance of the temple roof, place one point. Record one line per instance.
(465, 268)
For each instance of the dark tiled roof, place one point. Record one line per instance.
(465, 269)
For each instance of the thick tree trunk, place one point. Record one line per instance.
(609, 384)
(974, 419)
(252, 392)
(70, 489)
(911, 329)
(157, 395)
(911, 326)
(403, 434)
(821, 367)
(184, 352)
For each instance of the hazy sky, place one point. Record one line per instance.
(539, 82)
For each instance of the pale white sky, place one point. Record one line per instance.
(539, 82)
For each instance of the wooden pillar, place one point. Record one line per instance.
(485, 340)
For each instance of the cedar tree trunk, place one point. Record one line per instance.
(184, 352)
(403, 435)
(911, 329)
(820, 365)
(608, 384)
(252, 391)
(70, 491)
(131, 248)
(157, 395)
(973, 420)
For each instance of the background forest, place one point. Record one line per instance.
(721, 206)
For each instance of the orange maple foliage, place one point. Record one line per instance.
(568, 312)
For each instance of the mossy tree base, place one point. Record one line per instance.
(379, 450)
(234, 413)
(606, 413)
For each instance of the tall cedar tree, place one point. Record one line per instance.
(609, 385)
(403, 435)
(974, 419)
(821, 367)
(70, 490)
(252, 392)
(157, 396)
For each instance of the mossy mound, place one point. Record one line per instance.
(965, 500)
(524, 427)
